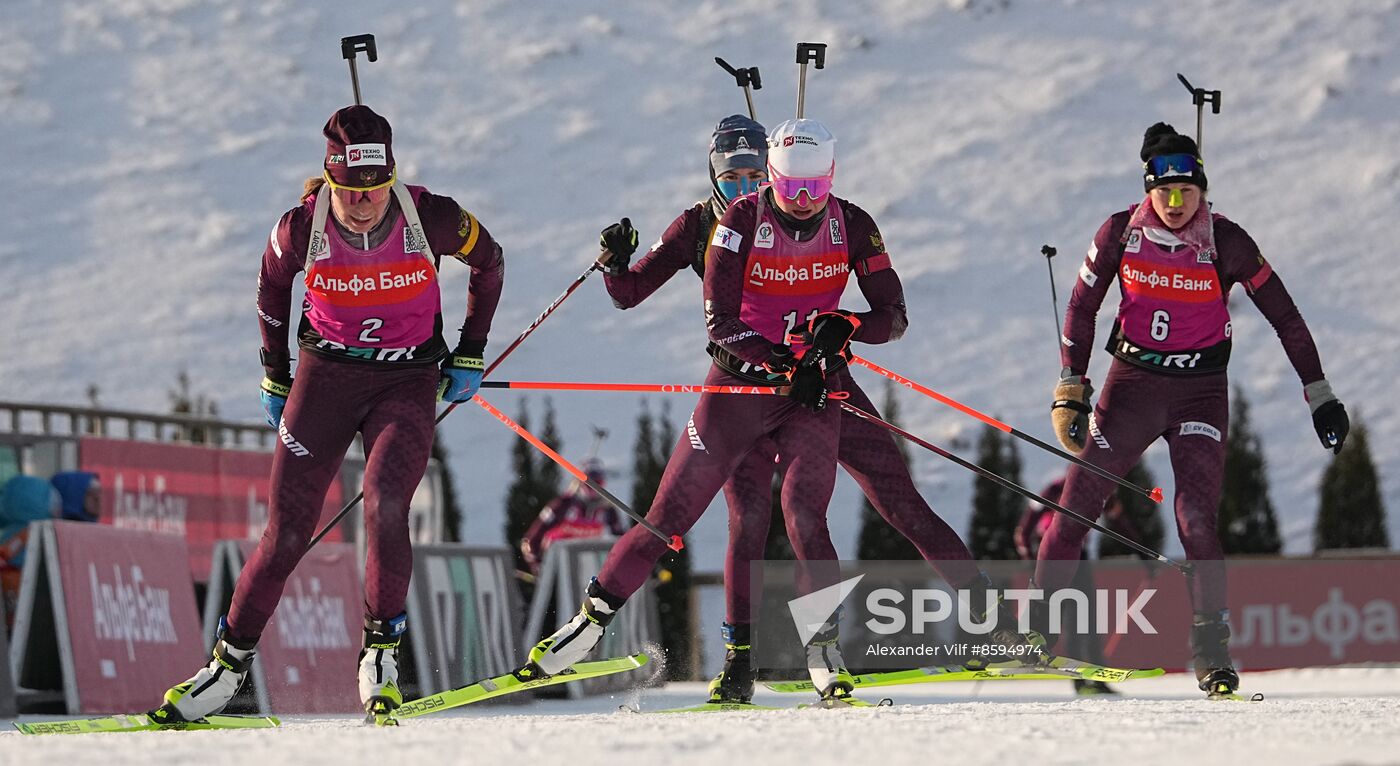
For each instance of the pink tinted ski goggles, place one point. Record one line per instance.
(792, 188)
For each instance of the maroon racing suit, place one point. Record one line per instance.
(386, 395)
(1155, 390)
(867, 450)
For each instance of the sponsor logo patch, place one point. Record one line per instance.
(765, 236)
(1134, 242)
(1193, 428)
(835, 227)
(1094, 431)
(1089, 277)
(727, 238)
(365, 154)
(877, 242)
(694, 434)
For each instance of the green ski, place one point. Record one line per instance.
(509, 683)
(143, 722)
(1058, 668)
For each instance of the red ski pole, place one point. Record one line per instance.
(672, 541)
(1155, 494)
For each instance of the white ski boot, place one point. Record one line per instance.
(827, 667)
(571, 643)
(211, 689)
(379, 669)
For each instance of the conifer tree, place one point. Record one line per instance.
(995, 509)
(1350, 511)
(1246, 523)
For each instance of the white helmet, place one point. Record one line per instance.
(802, 149)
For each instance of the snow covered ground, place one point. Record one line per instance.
(1349, 715)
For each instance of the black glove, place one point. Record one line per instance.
(827, 336)
(1332, 425)
(808, 387)
(1329, 416)
(620, 240)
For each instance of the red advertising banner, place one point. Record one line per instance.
(125, 618)
(309, 651)
(204, 494)
(1283, 613)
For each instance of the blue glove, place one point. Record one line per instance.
(274, 399)
(461, 377)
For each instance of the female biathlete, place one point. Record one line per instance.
(373, 362)
(1175, 261)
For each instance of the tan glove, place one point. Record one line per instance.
(1069, 414)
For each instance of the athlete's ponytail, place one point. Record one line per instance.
(311, 186)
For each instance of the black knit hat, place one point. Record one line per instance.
(1162, 140)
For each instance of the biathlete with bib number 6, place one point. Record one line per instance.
(1175, 262)
(373, 362)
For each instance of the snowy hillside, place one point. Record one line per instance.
(150, 145)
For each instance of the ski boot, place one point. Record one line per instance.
(379, 669)
(1210, 645)
(827, 668)
(1004, 643)
(572, 642)
(1086, 688)
(734, 684)
(211, 689)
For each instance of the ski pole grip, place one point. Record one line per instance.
(353, 44)
(1048, 251)
(676, 543)
(812, 52)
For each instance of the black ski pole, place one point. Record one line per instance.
(349, 46)
(1049, 253)
(807, 52)
(744, 77)
(1200, 97)
(1013, 486)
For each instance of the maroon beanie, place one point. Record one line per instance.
(358, 150)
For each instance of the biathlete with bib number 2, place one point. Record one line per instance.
(373, 362)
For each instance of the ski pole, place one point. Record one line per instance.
(646, 388)
(1013, 486)
(1200, 97)
(1155, 494)
(807, 52)
(651, 388)
(538, 320)
(349, 46)
(672, 541)
(1050, 252)
(744, 77)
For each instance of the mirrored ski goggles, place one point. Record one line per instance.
(1182, 166)
(792, 188)
(353, 194)
(737, 188)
